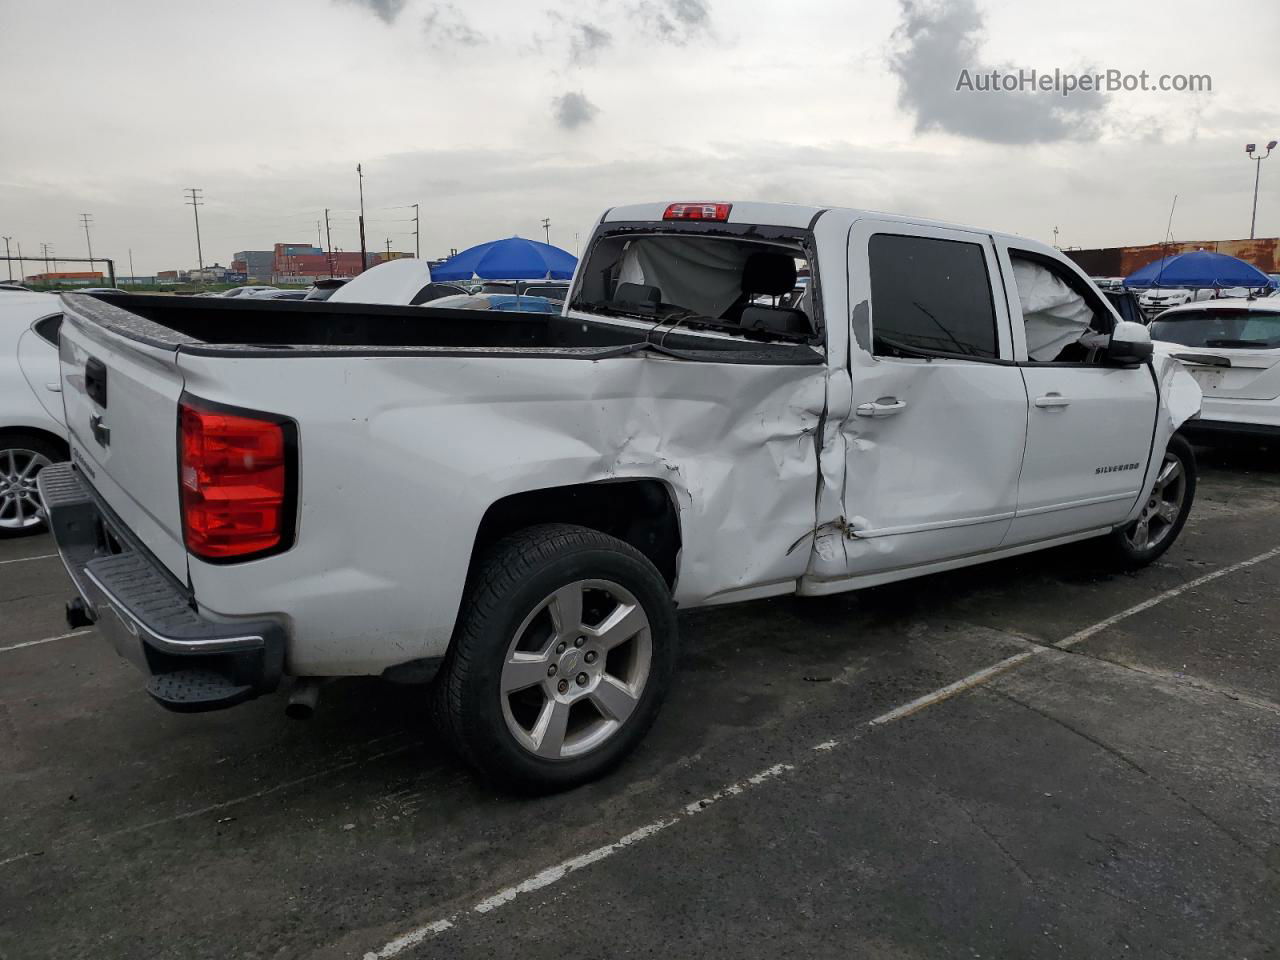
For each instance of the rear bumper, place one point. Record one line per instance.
(193, 663)
(1207, 431)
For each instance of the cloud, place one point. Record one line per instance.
(446, 26)
(937, 41)
(573, 110)
(385, 10)
(586, 42)
(673, 21)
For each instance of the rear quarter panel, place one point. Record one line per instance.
(401, 457)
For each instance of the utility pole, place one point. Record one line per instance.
(417, 245)
(364, 256)
(18, 244)
(8, 262)
(328, 242)
(133, 276)
(86, 219)
(44, 252)
(1055, 235)
(1249, 149)
(546, 226)
(318, 234)
(196, 203)
(388, 248)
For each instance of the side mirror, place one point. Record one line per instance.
(1130, 343)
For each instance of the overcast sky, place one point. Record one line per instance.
(493, 114)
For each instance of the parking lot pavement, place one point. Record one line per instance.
(1116, 798)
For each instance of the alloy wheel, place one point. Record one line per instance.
(20, 506)
(1162, 507)
(576, 669)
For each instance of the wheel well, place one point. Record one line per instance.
(638, 512)
(36, 432)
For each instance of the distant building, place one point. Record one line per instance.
(1263, 253)
(171, 276)
(215, 273)
(71, 278)
(257, 265)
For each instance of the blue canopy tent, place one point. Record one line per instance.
(512, 259)
(1198, 270)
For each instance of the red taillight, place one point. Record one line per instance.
(697, 211)
(235, 482)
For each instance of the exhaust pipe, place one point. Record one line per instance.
(78, 614)
(303, 698)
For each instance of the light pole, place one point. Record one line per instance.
(1250, 148)
(7, 261)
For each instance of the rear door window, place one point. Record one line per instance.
(48, 327)
(930, 296)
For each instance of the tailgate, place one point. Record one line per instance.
(121, 402)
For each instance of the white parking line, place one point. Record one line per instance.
(951, 689)
(23, 560)
(554, 874)
(36, 643)
(1087, 632)
(43, 556)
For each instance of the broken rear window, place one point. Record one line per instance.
(732, 284)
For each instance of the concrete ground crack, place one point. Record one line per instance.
(1134, 765)
(977, 824)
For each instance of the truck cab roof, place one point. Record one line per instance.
(805, 216)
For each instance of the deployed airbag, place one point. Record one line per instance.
(703, 274)
(1055, 315)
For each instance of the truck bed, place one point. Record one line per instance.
(215, 326)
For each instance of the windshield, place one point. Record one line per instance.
(728, 283)
(1219, 328)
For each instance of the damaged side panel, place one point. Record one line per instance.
(733, 443)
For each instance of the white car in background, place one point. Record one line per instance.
(1232, 348)
(1156, 299)
(32, 434)
(249, 291)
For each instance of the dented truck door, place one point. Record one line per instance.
(934, 441)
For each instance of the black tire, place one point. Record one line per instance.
(50, 449)
(512, 580)
(1121, 547)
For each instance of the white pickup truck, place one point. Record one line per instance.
(740, 401)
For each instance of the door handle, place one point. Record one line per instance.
(101, 432)
(54, 387)
(884, 407)
(1052, 401)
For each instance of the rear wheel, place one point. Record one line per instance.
(22, 457)
(1164, 511)
(563, 654)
